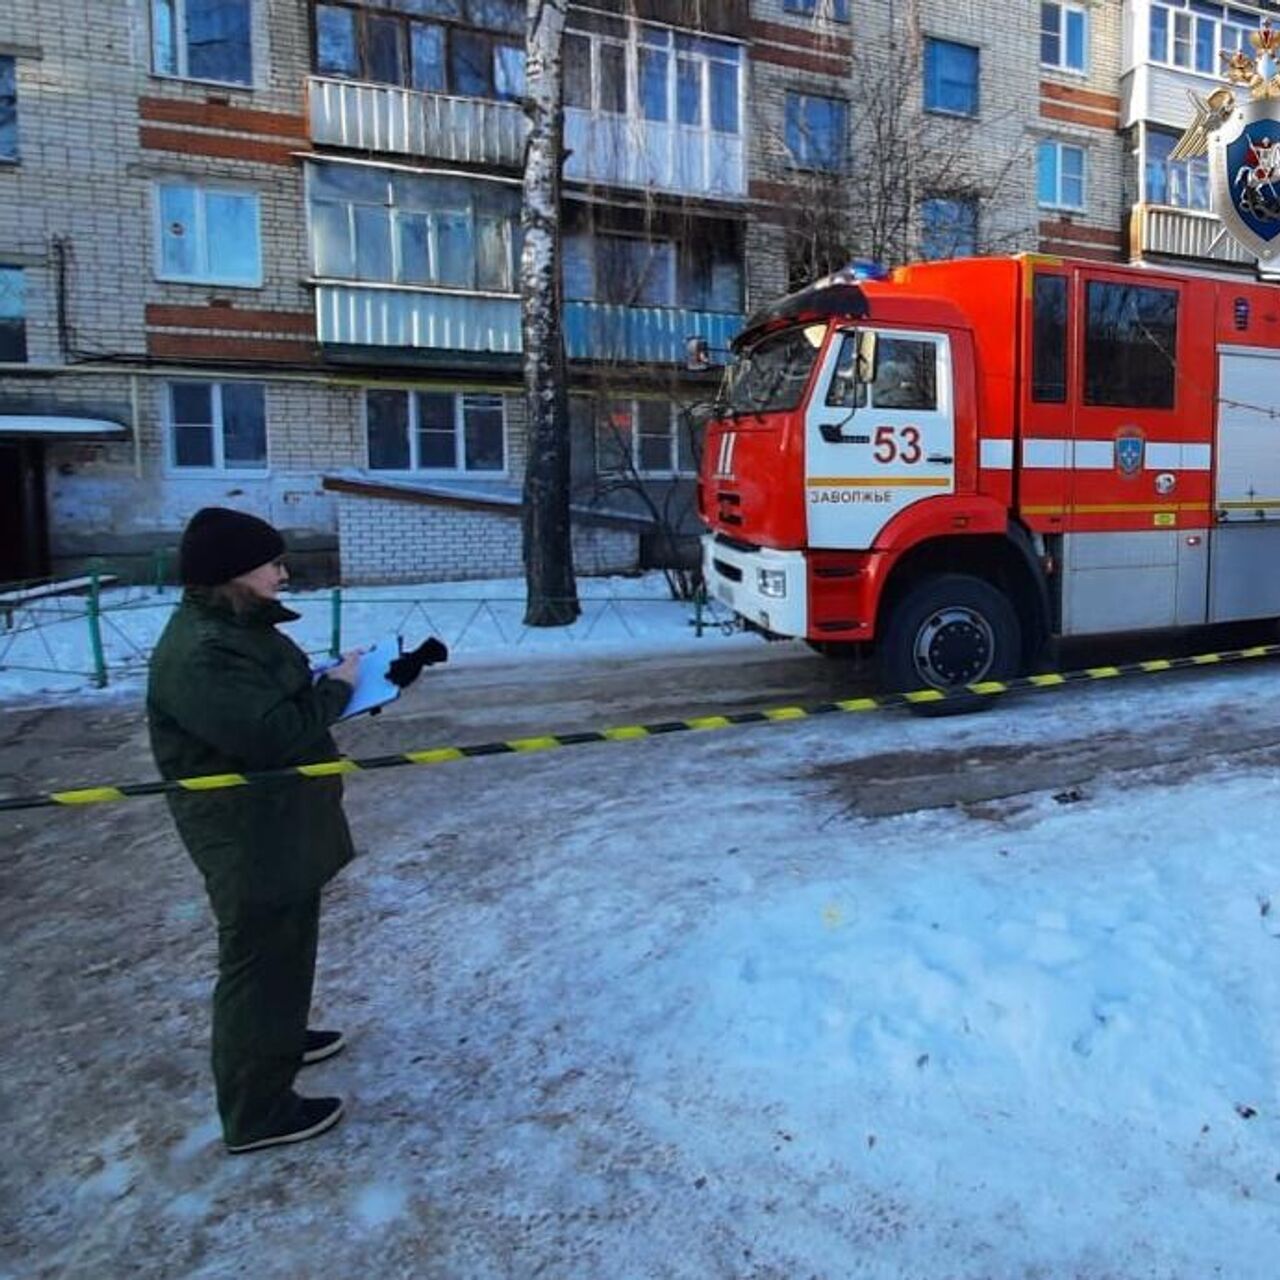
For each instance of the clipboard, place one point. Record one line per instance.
(372, 688)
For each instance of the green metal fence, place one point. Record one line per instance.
(103, 630)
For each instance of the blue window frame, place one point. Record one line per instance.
(950, 78)
(817, 130)
(837, 9)
(948, 227)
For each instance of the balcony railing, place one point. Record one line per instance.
(380, 117)
(1182, 233)
(641, 335)
(372, 315)
(612, 149)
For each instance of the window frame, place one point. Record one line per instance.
(1058, 203)
(933, 78)
(413, 427)
(217, 426)
(1066, 9)
(1192, 175)
(24, 343)
(182, 53)
(602, 409)
(1193, 24)
(15, 156)
(841, 162)
(451, 29)
(824, 10)
(202, 191)
(960, 199)
(677, 47)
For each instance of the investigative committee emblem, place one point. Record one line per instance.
(1239, 128)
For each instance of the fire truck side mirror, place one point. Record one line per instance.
(697, 355)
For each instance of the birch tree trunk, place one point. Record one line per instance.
(551, 592)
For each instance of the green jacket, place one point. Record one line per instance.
(229, 693)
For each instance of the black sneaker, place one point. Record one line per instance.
(311, 1117)
(320, 1045)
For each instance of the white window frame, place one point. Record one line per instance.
(631, 46)
(219, 468)
(208, 276)
(459, 434)
(1191, 21)
(1065, 8)
(1058, 203)
(180, 47)
(674, 424)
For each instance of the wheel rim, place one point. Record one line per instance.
(954, 646)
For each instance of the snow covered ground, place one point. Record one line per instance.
(680, 1008)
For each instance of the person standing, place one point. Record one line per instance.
(228, 693)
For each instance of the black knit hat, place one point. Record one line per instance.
(219, 544)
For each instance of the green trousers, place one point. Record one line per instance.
(266, 968)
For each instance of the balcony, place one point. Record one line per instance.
(627, 151)
(386, 118)
(369, 315)
(1182, 233)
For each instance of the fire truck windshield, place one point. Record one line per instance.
(772, 375)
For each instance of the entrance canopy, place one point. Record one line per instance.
(26, 426)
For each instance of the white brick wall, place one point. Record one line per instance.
(383, 540)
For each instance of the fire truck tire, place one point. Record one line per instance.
(946, 631)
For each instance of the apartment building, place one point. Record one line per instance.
(265, 253)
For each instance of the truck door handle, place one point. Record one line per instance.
(832, 434)
(939, 457)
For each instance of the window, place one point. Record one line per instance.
(837, 9)
(435, 431)
(217, 426)
(8, 110)
(950, 78)
(13, 315)
(1131, 337)
(1193, 41)
(1060, 175)
(405, 228)
(1049, 339)
(434, 56)
(949, 227)
(816, 131)
(203, 40)
(650, 437)
(207, 235)
(1183, 184)
(906, 375)
(693, 79)
(1064, 36)
(772, 376)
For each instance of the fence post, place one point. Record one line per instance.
(335, 627)
(699, 598)
(159, 561)
(95, 633)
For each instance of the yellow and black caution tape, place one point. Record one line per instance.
(627, 733)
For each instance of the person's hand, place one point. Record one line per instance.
(346, 669)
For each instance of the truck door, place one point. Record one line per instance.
(871, 450)
(1135, 545)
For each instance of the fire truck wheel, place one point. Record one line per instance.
(948, 631)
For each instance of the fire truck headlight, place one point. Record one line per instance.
(771, 582)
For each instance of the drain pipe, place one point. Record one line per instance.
(137, 427)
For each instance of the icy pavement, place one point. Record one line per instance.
(679, 1008)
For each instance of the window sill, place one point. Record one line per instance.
(953, 115)
(1076, 73)
(1063, 208)
(214, 473)
(235, 86)
(206, 283)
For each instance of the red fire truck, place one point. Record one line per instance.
(960, 459)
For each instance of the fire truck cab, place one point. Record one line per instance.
(956, 461)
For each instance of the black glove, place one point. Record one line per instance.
(405, 669)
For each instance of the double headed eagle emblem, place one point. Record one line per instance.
(1257, 74)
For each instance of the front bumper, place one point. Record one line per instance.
(733, 577)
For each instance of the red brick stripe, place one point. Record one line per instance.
(213, 347)
(212, 115)
(221, 317)
(217, 144)
(1062, 230)
(1079, 97)
(802, 37)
